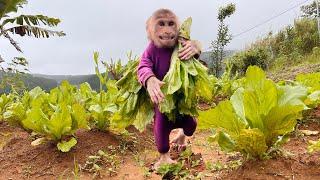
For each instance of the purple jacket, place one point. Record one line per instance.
(154, 62)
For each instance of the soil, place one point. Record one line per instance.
(136, 153)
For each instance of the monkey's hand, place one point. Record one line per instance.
(154, 89)
(190, 49)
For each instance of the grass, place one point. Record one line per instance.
(281, 62)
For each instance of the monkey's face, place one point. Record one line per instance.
(166, 32)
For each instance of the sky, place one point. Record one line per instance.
(115, 27)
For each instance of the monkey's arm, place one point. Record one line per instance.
(145, 67)
(199, 47)
(191, 48)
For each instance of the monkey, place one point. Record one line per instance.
(162, 32)
(162, 28)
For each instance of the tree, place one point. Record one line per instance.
(11, 76)
(224, 37)
(310, 10)
(23, 25)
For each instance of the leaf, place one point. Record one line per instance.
(65, 146)
(190, 67)
(36, 92)
(315, 96)
(96, 57)
(79, 117)
(173, 169)
(32, 20)
(34, 31)
(237, 103)
(111, 108)
(280, 121)
(15, 114)
(7, 6)
(185, 81)
(36, 120)
(96, 108)
(172, 79)
(292, 95)
(313, 99)
(185, 28)
(259, 89)
(144, 115)
(60, 123)
(168, 104)
(310, 80)
(225, 142)
(222, 116)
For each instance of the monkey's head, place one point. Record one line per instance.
(163, 28)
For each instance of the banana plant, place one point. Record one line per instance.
(24, 25)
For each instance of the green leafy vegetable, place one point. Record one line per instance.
(101, 105)
(312, 82)
(257, 115)
(5, 101)
(53, 115)
(134, 105)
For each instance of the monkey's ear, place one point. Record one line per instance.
(149, 28)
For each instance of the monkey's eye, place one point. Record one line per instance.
(161, 23)
(171, 23)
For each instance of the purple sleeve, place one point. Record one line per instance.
(145, 66)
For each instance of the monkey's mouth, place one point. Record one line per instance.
(167, 38)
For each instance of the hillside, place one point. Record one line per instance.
(92, 79)
(206, 56)
(48, 82)
(31, 82)
(74, 79)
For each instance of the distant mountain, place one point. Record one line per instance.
(32, 82)
(74, 79)
(206, 56)
(48, 82)
(92, 79)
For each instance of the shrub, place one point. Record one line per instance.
(241, 61)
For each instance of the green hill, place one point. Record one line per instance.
(48, 82)
(92, 79)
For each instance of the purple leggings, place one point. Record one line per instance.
(163, 127)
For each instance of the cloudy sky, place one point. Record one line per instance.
(114, 27)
